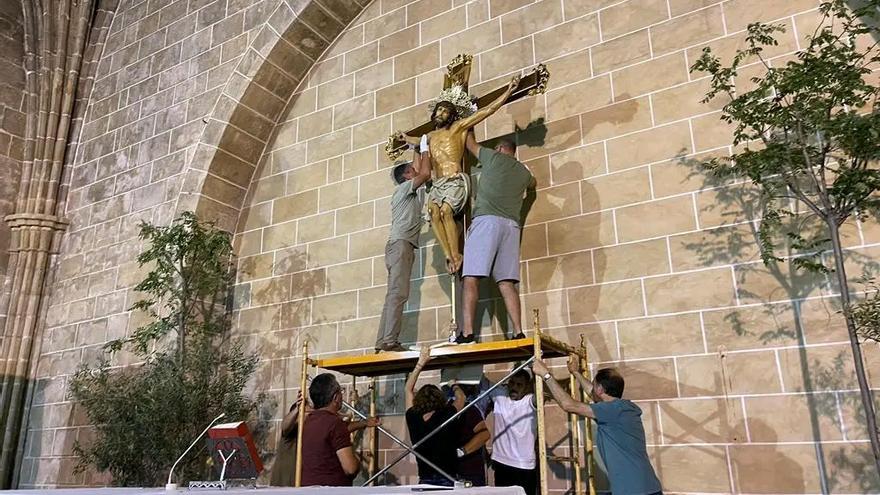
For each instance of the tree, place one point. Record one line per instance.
(867, 313)
(807, 135)
(146, 415)
(188, 287)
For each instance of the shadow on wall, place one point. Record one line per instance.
(568, 267)
(738, 206)
(751, 471)
(272, 329)
(42, 443)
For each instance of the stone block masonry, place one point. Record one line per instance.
(12, 122)
(270, 116)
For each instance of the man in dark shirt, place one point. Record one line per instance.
(328, 458)
(472, 437)
(425, 411)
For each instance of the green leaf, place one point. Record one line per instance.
(191, 371)
(805, 132)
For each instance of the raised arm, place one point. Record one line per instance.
(471, 143)
(574, 369)
(528, 201)
(483, 113)
(289, 423)
(371, 422)
(422, 167)
(410, 388)
(480, 438)
(562, 398)
(340, 438)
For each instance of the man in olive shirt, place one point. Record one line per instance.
(403, 239)
(492, 243)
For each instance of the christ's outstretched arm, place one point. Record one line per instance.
(483, 113)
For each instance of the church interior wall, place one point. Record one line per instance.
(12, 126)
(626, 244)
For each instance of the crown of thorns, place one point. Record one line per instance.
(460, 98)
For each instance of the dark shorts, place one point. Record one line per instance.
(511, 476)
(476, 477)
(492, 248)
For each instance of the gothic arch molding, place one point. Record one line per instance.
(254, 100)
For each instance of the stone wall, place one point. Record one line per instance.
(742, 372)
(184, 98)
(158, 78)
(12, 124)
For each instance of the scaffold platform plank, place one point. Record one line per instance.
(389, 363)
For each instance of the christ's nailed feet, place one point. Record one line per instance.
(453, 265)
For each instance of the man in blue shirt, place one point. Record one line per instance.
(620, 434)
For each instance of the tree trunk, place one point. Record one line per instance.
(183, 312)
(864, 388)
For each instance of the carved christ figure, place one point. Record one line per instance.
(451, 186)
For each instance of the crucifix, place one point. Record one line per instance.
(454, 113)
(458, 74)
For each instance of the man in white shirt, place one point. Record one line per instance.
(513, 444)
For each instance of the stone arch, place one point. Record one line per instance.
(253, 101)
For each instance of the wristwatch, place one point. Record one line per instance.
(460, 452)
(547, 376)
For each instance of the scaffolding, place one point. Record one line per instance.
(524, 350)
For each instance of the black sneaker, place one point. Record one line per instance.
(392, 347)
(464, 339)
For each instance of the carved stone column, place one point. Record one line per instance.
(35, 237)
(56, 35)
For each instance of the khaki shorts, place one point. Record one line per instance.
(492, 248)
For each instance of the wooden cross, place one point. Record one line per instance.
(458, 71)
(458, 74)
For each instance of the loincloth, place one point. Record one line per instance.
(452, 190)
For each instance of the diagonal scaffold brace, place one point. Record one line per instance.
(400, 442)
(450, 420)
(541, 346)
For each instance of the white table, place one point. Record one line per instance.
(371, 490)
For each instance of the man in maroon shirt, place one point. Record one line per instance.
(328, 458)
(285, 454)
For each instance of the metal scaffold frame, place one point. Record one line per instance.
(525, 350)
